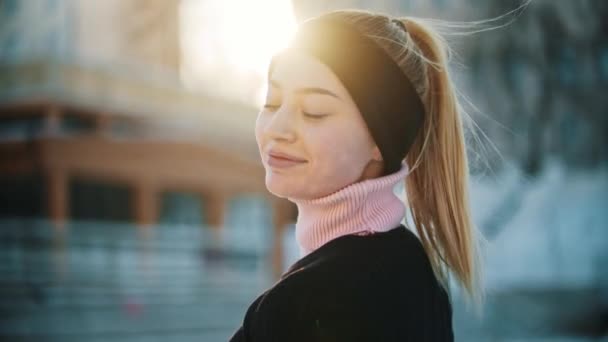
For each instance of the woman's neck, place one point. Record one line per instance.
(363, 207)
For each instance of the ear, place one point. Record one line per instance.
(376, 155)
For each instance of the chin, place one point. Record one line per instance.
(278, 187)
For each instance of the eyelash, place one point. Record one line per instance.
(309, 115)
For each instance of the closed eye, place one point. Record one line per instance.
(271, 106)
(314, 116)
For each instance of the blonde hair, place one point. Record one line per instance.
(437, 186)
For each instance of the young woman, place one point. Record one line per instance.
(356, 103)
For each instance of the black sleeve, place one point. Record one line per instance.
(349, 323)
(349, 317)
(381, 304)
(238, 336)
(281, 314)
(383, 316)
(358, 298)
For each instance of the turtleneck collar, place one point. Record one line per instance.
(361, 208)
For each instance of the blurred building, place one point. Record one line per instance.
(91, 105)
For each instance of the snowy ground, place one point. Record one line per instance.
(549, 232)
(546, 261)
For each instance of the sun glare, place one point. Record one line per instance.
(227, 44)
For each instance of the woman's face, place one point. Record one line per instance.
(309, 115)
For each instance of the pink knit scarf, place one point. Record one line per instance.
(361, 208)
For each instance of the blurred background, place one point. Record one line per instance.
(133, 205)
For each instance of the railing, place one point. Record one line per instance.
(97, 281)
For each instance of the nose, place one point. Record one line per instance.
(281, 125)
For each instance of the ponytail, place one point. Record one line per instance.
(437, 187)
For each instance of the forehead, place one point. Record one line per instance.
(293, 70)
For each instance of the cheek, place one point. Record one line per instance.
(339, 147)
(325, 145)
(338, 158)
(259, 127)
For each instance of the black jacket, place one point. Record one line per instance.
(354, 288)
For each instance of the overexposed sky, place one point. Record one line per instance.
(227, 44)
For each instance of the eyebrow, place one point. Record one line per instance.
(308, 90)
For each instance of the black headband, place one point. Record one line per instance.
(383, 94)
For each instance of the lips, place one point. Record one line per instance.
(282, 160)
(282, 155)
